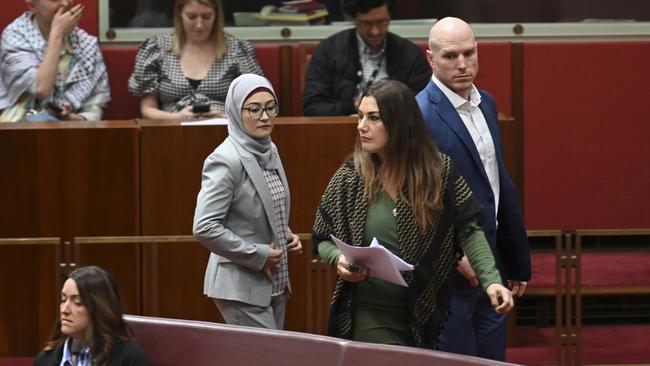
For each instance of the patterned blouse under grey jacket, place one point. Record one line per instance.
(158, 71)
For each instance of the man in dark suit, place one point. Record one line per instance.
(462, 120)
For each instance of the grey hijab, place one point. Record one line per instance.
(262, 148)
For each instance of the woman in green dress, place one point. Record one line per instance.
(397, 187)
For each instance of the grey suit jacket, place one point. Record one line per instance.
(234, 212)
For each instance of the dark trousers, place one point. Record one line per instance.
(473, 328)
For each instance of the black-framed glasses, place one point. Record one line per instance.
(367, 25)
(256, 110)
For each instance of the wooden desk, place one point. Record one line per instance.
(67, 179)
(127, 178)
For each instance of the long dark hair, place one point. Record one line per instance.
(412, 162)
(101, 297)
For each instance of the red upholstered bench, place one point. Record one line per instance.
(598, 273)
(620, 344)
(300, 56)
(268, 55)
(601, 273)
(16, 361)
(119, 64)
(175, 342)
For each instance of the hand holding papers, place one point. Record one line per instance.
(382, 263)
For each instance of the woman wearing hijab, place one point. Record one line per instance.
(242, 212)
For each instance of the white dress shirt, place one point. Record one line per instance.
(477, 127)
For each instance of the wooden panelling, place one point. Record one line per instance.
(173, 281)
(165, 284)
(172, 159)
(61, 180)
(93, 181)
(311, 150)
(69, 179)
(29, 289)
(322, 280)
(121, 259)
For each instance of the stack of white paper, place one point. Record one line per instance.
(382, 262)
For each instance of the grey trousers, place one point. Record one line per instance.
(240, 313)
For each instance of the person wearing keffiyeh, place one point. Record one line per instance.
(50, 69)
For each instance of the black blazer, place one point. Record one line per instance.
(333, 72)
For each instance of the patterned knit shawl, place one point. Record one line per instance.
(343, 211)
(23, 49)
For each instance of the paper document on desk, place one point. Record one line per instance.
(203, 122)
(382, 262)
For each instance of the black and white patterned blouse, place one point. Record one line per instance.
(158, 71)
(279, 195)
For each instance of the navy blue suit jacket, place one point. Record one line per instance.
(509, 242)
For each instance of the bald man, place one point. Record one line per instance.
(462, 120)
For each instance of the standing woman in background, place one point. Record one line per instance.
(242, 212)
(194, 65)
(90, 329)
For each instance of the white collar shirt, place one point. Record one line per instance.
(477, 126)
(84, 358)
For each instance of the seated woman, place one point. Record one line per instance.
(90, 329)
(50, 69)
(193, 66)
(397, 187)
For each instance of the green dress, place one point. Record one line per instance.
(381, 313)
